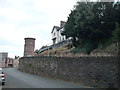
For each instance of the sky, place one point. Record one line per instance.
(30, 18)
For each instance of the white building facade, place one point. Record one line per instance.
(56, 33)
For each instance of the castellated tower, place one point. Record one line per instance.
(29, 47)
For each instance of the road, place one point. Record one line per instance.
(17, 79)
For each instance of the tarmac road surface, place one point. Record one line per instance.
(17, 79)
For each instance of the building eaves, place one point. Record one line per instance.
(60, 28)
(57, 28)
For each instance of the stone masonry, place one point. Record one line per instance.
(100, 72)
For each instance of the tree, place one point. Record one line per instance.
(116, 33)
(70, 30)
(117, 12)
(90, 24)
(104, 21)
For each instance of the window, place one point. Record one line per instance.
(9, 61)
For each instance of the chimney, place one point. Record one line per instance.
(62, 23)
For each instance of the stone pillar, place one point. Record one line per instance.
(29, 47)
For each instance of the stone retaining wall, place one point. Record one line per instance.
(91, 71)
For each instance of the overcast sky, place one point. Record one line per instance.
(30, 18)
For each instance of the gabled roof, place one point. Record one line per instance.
(57, 28)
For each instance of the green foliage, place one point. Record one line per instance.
(117, 12)
(80, 50)
(84, 48)
(30, 64)
(116, 33)
(70, 30)
(91, 24)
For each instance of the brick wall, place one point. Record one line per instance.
(29, 46)
(91, 71)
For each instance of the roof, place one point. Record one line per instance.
(57, 28)
(29, 38)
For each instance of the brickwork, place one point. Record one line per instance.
(29, 46)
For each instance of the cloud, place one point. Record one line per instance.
(30, 18)
(14, 15)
